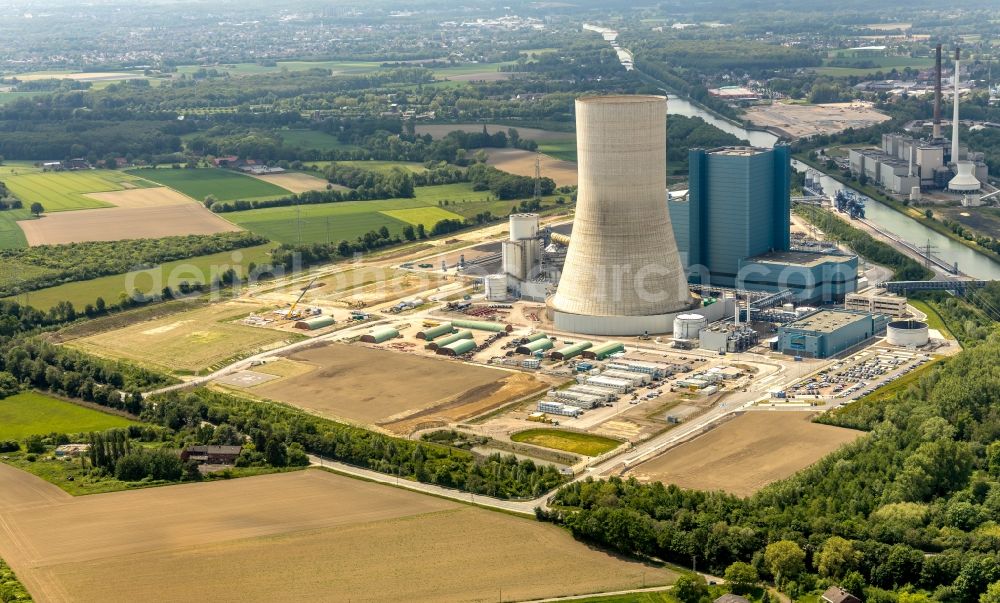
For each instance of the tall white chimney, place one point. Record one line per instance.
(912, 145)
(954, 119)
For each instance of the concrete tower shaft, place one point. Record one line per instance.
(622, 259)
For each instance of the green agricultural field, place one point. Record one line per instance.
(333, 222)
(64, 191)
(226, 185)
(376, 166)
(312, 139)
(569, 441)
(111, 288)
(30, 413)
(11, 235)
(468, 69)
(881, 64)
(560, 149)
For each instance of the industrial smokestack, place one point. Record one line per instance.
(937, 93)
(623, 274)
(954, 120)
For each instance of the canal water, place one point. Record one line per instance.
(970, 262)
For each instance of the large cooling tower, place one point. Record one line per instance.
(623, 274)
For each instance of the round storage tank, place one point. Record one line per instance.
(788, 307)
(803, 310)
(907, 333)
(687, 326)
(496, 287)
(523, 226)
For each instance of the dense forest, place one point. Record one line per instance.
(914, 504)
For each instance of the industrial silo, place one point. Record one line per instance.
(623, 275)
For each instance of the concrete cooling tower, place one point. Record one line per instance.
(623, 275)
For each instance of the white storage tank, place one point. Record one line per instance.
(803, 310)
(907, 333)
(495, 286)
(687, 326)
(523, 226)
(788, 307)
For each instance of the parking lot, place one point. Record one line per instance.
(856, 376)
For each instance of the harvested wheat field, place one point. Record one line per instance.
(393, 389)
(297, 182)
(302, 536)
(522, 163)
(121, 223)
(159, 196)
(747, 453)
(187, 342)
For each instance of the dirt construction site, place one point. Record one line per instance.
(798, 121)
(744, 454)
(303, 536)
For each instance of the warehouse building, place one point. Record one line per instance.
(315, 323)
(380, 335)
(809, 275)
(449, 339)
(828, 332)
(890, 305)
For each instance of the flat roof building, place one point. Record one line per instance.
(828, 332)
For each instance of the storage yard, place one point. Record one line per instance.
(799, 121)
(305, 536)
(747, 453)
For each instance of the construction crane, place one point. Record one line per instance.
(291, 310)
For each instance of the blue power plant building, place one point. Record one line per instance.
(733, 229)
(829, 332)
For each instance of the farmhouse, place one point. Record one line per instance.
(835, 594)
(73, 450)
(212, 455)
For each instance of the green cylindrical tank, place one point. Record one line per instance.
(536, 346)
(435, 332)
(482, 325)
(457, 348)
(380, 335)
(571, 351)
(449, 339)
(317, 322)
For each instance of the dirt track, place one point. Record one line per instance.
(121, 223)
(302, 536)
(746, 453)
(518, 161)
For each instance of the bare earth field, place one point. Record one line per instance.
(521, 162)
(800, 121)
(747, 453)
(301, 536)
(393, 389)
(159, 196)
(186, 342)
(296, 182)
(140, 218)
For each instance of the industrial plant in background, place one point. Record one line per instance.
(910, 166)
(623, 275)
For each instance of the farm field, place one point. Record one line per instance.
(120, 223)
(882, 64)
(564, 150)
(339, 67)
(421, 389)
(374, 165)
(522, 163)
(333, 222)
(226, 185)
(188, 342)
(158, 196)
(30, 413)
(747, 453)
(982, 220)
(11, 235)
(86, 76)
(296, 182)
(63, 191)
(303, 536)
(569, 441)
(197, 269)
